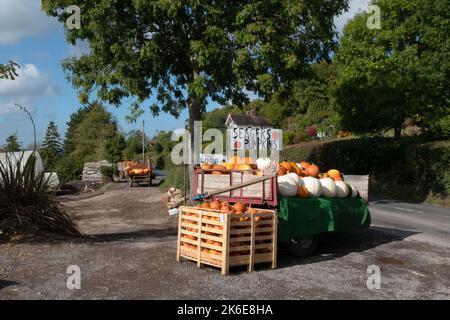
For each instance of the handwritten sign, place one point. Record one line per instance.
(255, 138)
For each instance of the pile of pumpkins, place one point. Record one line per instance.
(133, 167)
(305, 180)
(235, 163)
(225, 207)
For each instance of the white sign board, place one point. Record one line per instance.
(212, 158)
(255, 138)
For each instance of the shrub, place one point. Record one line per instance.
(175, 179)
(69, 169)
(109, 171)
(288, 138)
(26, 200)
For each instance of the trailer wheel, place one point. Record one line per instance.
(302, 247)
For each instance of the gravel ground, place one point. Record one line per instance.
(131, 248)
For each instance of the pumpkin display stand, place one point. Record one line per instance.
(211, 237)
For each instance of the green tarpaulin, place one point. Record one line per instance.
(307, 217)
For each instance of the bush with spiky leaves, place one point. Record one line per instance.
(26, 202)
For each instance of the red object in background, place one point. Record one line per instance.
(312, 131)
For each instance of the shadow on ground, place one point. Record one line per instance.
(6, 283)
(335, 245)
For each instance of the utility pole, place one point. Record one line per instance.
(32, 121)
(143, 141)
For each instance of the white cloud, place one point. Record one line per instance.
(356, 6)
(22, 18)
(9, 107)
(29, 82)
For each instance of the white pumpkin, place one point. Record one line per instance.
(328, 187)
(295, 177)
(341, 189)
(354, 191)
(287, 186)
(313, 185)
(263, 163)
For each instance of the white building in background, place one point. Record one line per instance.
(14, 157)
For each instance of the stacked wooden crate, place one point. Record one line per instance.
(223, 240)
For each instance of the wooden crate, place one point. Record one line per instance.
(210, 237)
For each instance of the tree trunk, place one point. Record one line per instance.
(194, 115)
(397, 132)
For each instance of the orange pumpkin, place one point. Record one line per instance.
(302, 192)
(338, 179)
(313, 170)
(239, 207)
(295, 168)
(244, 167)
(215, 205)
(228, 165)
(334, 174)
(286, 165)
(205, 205)
(281, 171)
(304, 165)
(248, 160)
(218, 167)
(206, 166)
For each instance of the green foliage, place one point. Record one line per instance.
(175, 179)
(26, 201)
(109, 171)
(401, 71)
(8, 71)
(52, 148)
(288, 137)
(12, 144)
(133, 144)
(410, 163)
(69, 169)
(92, 133)
(114, 147)
(75, 120)
(186, 52)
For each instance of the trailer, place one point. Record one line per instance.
(300, 221)
(137, 173)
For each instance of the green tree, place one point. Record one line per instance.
(51, 149)
(114, 147)
(185, 52)
(91, 135)
(397, 72)
(134, 144)
(12, 144)
(75, 119)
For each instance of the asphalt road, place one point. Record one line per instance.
(430, 223)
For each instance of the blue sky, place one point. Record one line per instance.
(37, 43)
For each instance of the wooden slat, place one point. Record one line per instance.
(205, 245)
